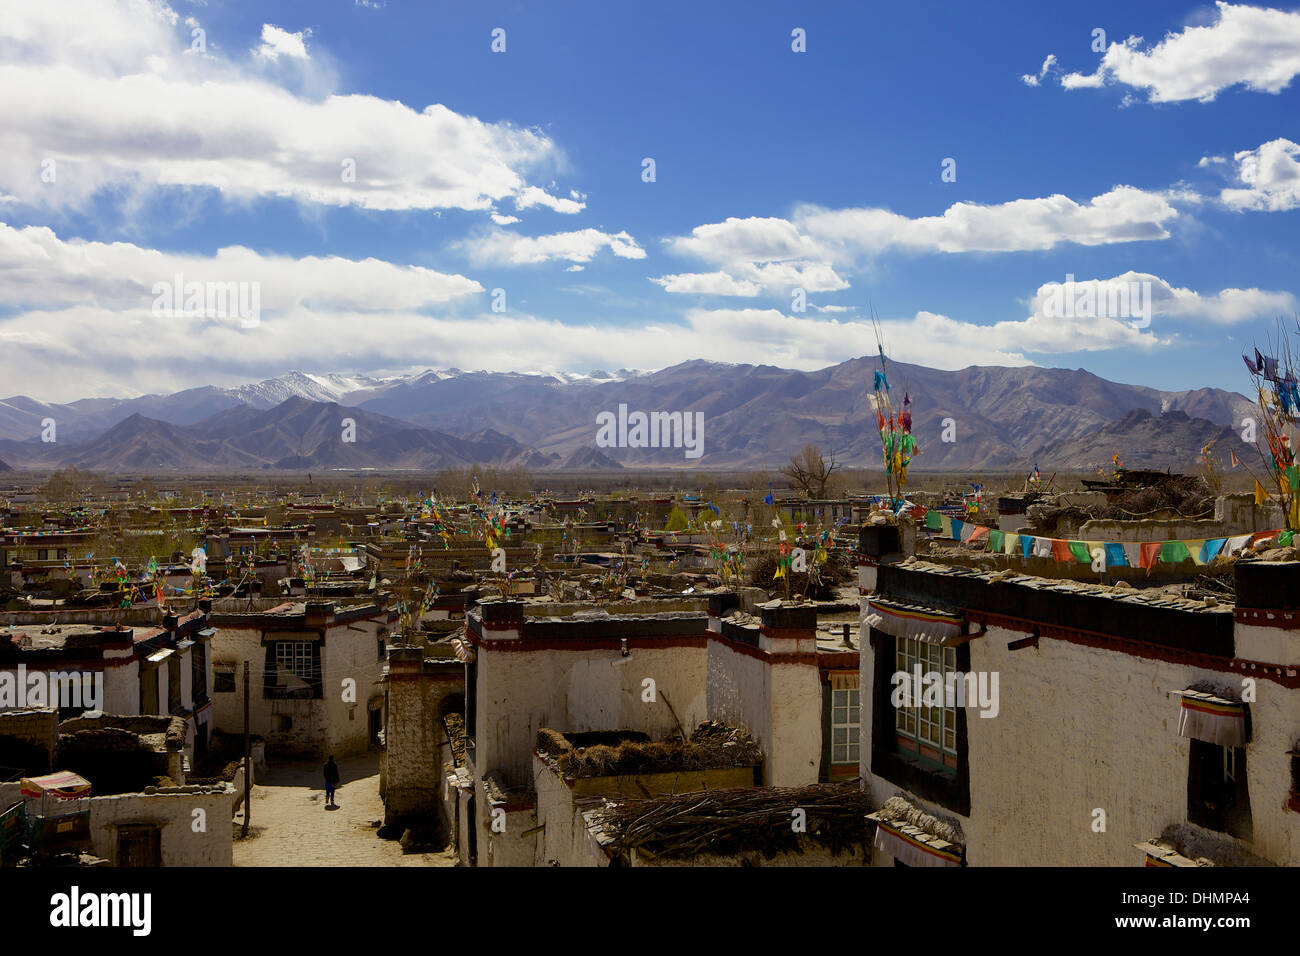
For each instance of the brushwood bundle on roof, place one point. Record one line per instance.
(1170, 497)
(713, 746)
(742, 820)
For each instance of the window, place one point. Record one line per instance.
(294, 657)
(223, 678)
(383, 649)
(929, 732)
(293, 670)
(846, 721)
(1217, 795)
(897, 755)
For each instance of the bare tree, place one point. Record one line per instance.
(810, 472)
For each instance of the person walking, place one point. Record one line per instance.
(331, 781)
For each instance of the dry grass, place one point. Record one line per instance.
(713, 746)
(741, 820)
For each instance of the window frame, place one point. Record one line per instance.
(221, 670)
(912, 723)
(849, 751)
(307, 646)
(1221, 777)
(948, 788)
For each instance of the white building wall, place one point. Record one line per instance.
(234, 646)
(565, 841)
(181, 844)
(779, 704)
(520, 692)
(187, 677)
(163, 693)
(338, 722)
(121, 683)
(352, 655)
(187, 838)
(794, 757)
(1080, 729)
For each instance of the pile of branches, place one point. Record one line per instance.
(1178, 496)
(712, 747)
(832, 574)
(742, 820)
(1174, 496)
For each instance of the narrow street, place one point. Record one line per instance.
(290, 825)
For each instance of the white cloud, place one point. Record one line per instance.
(113, 91)
(501, 220)
(707, 283)
(531, 196)
(151, 354)
(746, 240)
(500, 247)
(776, 255)
(1270, 176)
(1096, 308)
(339, 315)
(1029, 79)
(752, 255)
(277, 43)
(1253, 46)
(769, 336)
(1124, 214)
(37, 268)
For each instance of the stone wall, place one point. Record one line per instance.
(27, 740)
(195, 827)
(414, 738)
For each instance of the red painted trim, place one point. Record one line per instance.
(789, 633)
(766, 656)
(1287, 676)
(839, 661)
(1267, 617)
(595, 643)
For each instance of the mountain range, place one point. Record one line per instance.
(754, 417)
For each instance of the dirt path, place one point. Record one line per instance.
(291, 827)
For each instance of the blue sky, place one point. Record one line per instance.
(1169, 160)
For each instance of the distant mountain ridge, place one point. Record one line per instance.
(756, 416)
(296, 435)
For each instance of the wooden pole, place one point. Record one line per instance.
(248, 762)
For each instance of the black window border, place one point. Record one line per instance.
(950, 790)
